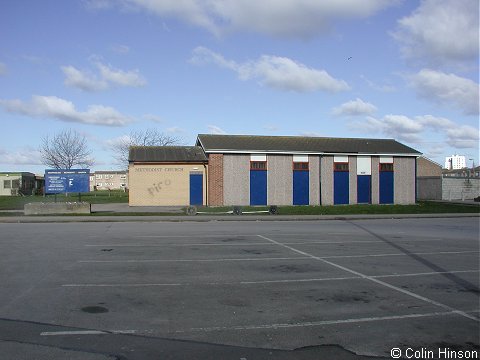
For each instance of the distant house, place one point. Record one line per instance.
(108, 180)
(17, 183)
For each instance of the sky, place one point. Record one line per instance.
(401, 69)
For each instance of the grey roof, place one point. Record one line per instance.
(193, 154)
(301, 144)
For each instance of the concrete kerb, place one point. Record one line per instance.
(207, 218)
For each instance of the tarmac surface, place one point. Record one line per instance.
(330, 289)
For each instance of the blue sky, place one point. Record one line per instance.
(337, 68)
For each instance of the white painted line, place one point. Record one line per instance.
(86, 332)
(426, 273)
(399, 254)
(178, 245)
(281, 258)
(380, 282)
(194, 260)
(213, 283)
(319, 323)
(183, 236)
(260, 282)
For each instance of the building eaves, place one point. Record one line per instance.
(166, 154)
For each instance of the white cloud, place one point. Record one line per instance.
(120, 77)
(445, 88)
(82, 79)
(23, 156)
(174, 130)
(310, 134)
(272, 128)
(3, 69)
(418, 130)
(441, 31)
(63, 110)
(354, 108)
(276, 72)
(463, 137)
(213, 129)
(289, 18)
(107, 77)
(153, 118)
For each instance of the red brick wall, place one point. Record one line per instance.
(215, 179)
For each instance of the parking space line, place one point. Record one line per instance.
(380, 282)
(216, 283)
(259, 282)
(319, 323)
(282, 258)
(196, 260)
(427, 273)
(86, 332)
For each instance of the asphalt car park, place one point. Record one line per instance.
(240, 290)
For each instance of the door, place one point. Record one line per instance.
(340, 187)
(301, 187)
(258, 187)
(364, 189)
(196, 189)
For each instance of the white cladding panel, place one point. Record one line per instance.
(364, 165)
(300, 158)
(386, 159)
(258, 157)
(340, 159)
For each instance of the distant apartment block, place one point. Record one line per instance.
(455, 162)
(108, 180)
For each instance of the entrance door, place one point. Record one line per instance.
(196, 189)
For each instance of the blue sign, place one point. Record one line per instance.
(59, 181)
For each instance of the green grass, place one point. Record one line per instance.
(423, 207)
(97, 197)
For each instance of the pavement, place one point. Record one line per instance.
(176, 213)
(301, 290)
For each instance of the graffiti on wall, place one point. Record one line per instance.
(156, 188)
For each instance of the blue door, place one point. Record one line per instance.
(386, 187)
(301, 187)
(258, 187)
(364, 189)
(340, 187)
(196, 189)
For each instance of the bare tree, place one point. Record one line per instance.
(65, 149)
(147, 137)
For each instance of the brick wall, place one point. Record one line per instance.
(215, 179)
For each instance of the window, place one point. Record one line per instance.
(99, 177)
(7, 184)
(16, 184)
(300, 166)
(340, 166)
(258, 165)
(386, 167)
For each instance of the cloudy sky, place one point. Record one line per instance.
(402, 69)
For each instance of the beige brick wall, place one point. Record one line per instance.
(236, 179)
(326, 178)
(280, 180)
(215, 179)
(314, 178)
(404, 180)
(352, 180)
(428, 168)
(162, 184)
(375, 180)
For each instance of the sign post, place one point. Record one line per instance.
(62, 181)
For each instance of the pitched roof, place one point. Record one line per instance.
(301, 144)
(166, 154)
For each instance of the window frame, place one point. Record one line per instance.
(341, 164)
(254, 168)
(384, 165)
(304, 166)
